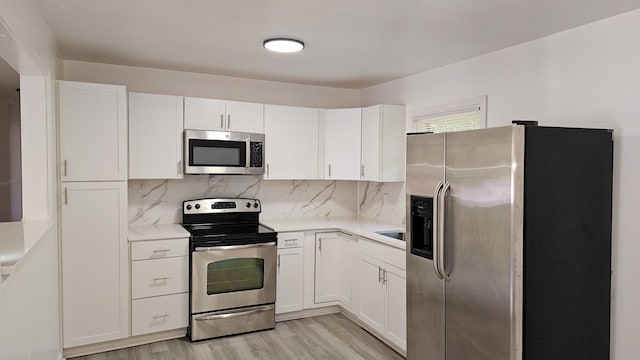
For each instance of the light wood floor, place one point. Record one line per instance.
(323, 337)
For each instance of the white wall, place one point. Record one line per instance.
(29, 305)
(29, 302)
(585, 77)
(169, 82)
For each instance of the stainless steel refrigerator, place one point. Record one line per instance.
(509, 244)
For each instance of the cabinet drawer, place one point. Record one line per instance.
(390, 255)
(158, 249)
(159, 277)
(159, 313)
(290, 239)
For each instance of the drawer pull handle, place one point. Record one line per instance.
(161, 251)
(161, 278)
(160, 316)
(290, 240)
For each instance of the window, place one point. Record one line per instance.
(461, 115)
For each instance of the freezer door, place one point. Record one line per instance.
(483, 214)
(425, 291)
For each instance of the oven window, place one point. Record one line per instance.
(235, 275)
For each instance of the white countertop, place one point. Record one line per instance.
(16, 239)
(357, 226)
(157, 232)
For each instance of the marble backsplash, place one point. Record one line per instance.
(382, 201)
(160, 201)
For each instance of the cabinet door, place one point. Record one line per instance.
(95, 286)
(327, 284)
(245, 117)
(290, 280)
(347, 246)
(291, 135)
(396, 316)
(371, 292)
(93, 131)
(155, 136)
(371, 141)
(342, 144)
(204, 114)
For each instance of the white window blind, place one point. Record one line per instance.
(463, 115)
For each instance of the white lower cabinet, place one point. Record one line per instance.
(327, 281)
(159, 285)
(95, 284)
(159, 313)
(345, 263)
(396, 309)
(382, 291)
(371, 292)
(290, 281)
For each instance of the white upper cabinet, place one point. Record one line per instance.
(342, 144)
(212, 114)
(245, 117)
(291, 142)
(93, 131)
(204, 114)
(383, 143)
(155, 136)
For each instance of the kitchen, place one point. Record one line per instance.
(526, 81)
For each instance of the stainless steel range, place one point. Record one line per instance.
(233, 268)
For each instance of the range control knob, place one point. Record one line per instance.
(188, 207)
(255, 205)
(248, 205)
(197, 206)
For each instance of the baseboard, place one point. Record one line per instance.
(124, 343)
(307, 313)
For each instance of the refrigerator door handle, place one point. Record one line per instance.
(441, 234)
(436, 222)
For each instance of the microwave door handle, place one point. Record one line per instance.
(248, 153)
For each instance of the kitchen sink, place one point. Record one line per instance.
(392, 234)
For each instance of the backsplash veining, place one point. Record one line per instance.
(160, 201)
(382, 201)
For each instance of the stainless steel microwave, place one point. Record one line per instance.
(223, 152)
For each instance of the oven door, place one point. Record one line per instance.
(226, 277)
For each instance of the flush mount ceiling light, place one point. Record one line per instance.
(283, 45)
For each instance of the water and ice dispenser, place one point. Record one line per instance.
(421, 223)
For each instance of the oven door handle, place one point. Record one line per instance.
(234, 247)
(234, 314)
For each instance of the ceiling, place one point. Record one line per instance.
(350, 43)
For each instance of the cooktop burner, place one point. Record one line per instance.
(220, 222)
